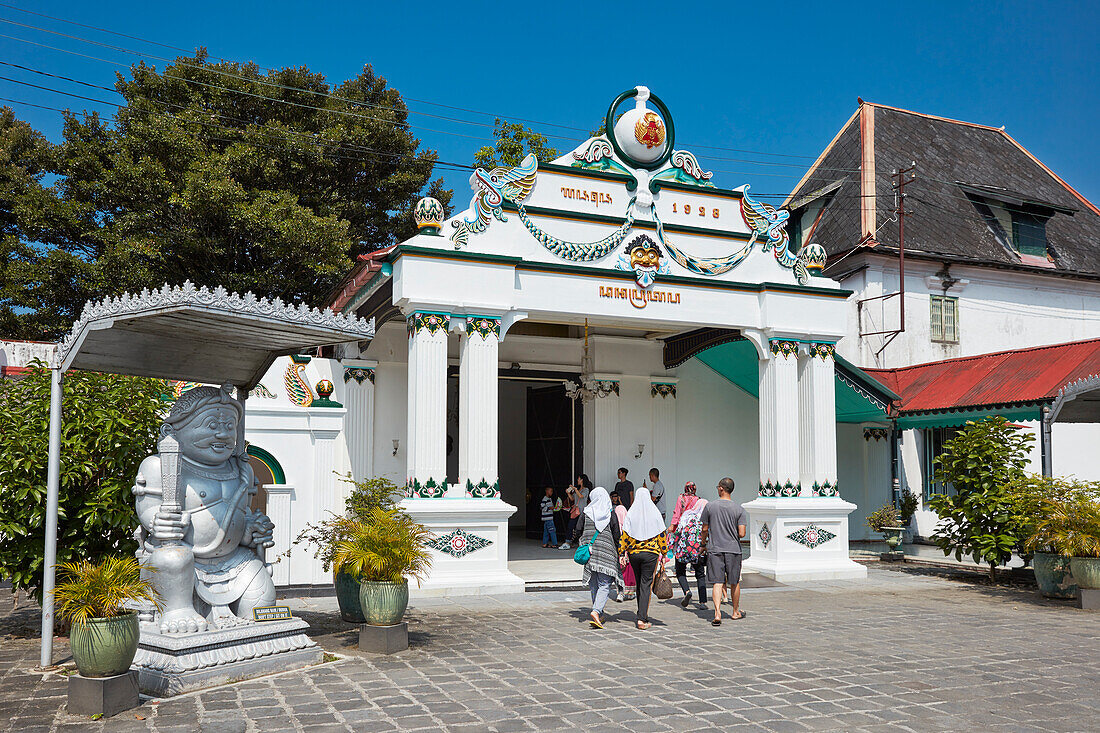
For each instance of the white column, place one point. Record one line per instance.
(663, 403)
(608, 453)
(279, 500)
(799, 536)
(817, 424)
(478, 414)
(325, 425)
(359, 401)
(779, 431)
(427, 393)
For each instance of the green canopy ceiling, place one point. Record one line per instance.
(859, 398)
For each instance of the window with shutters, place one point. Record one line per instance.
(934, 438)
(1029, 234)
(945, 319)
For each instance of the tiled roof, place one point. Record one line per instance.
(943, 220)
(1021, 376)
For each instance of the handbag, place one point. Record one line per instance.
(662, 586)
(583, 552)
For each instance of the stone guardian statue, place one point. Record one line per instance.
(202, 542)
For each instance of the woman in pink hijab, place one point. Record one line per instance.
(628, 572)
(686, 543)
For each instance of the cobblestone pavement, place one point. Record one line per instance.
(900, 651)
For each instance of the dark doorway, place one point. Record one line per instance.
(550, 452)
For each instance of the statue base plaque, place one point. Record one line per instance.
(171, 664)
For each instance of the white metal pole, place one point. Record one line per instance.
(53, 480)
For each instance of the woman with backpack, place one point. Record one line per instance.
(687, 546)
(597, 535)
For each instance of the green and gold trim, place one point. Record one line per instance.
(482, 326)
(432, 322)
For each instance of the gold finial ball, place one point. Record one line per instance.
(429, 215)
(324, 389)
(813, 255)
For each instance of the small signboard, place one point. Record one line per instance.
(271, 613)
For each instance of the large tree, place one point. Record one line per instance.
(217, 173)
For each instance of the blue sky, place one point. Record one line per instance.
(775, 79)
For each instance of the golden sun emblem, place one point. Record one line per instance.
(649, 130)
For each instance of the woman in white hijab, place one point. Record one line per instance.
(645, 545)
(598, 528)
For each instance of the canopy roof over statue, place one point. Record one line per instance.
(184, 333)
(199, 335)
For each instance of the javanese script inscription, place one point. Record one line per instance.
(639, 298)
(579, 194)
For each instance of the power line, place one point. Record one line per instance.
(413, 99)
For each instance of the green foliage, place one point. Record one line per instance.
(982, 462)
(384, 547)
(109, 425)
(1057, 515)
(88, 590)
(908, 507)
(247, 179)
(365, 497)
(513, 143)
(885, 516)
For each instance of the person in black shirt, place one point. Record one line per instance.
(625, 489)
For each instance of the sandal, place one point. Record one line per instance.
(716, 622)
(643, 625)
(738, 618)
(594, 621)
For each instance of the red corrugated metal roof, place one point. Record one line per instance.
(1003, 378)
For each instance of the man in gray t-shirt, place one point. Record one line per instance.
(724, 522)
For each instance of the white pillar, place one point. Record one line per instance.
(359, 401)
(426, 443)
(817, 424)
(478, 414)
(608, 454)
(662, 390)
(280, 498)
(779, 432)
(325, 425)
(797, 536)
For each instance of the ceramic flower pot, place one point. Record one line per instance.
(1053, 576)
(893, 536)
(1086, 571)
(347, 595)
(383, 603)
(104, 647)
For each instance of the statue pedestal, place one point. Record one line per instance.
(800, 538)
(173, 664)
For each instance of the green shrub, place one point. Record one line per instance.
(109, 425)
(982, 463)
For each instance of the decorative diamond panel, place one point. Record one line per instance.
(459, 543)
(811, 536)
(764, 534)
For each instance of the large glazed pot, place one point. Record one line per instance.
(1086, 571)
(383, 603)
(1053, 576)
(347, 595)
(104, 647)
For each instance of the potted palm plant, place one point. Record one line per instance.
(323, 537)
(1033, 497)
(383, 551)
(885, 521)
(92, 597)
(1069, 524)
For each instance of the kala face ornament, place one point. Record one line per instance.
(643, 256)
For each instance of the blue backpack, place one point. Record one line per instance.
(584, 552)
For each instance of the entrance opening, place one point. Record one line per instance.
(553, 446)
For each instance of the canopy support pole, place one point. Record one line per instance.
(1044, 440)
(53, 480)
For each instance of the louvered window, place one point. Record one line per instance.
(945, 319)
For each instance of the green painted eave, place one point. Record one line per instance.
(960, 416)
(737, 362)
